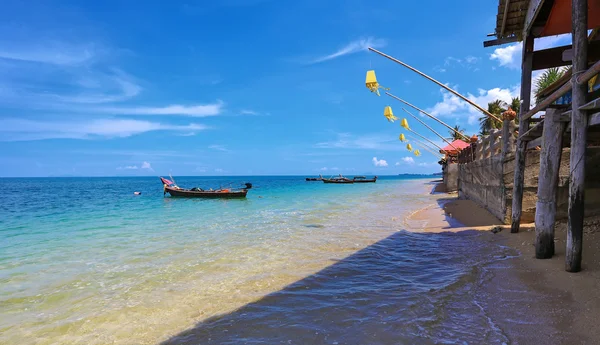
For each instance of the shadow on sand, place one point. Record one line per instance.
(395, 291)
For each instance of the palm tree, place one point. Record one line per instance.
(515, 104)
(454, 135)
(486, 123)
(547, 78)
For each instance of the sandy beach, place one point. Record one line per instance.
(567, 302)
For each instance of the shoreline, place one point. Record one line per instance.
(569, 303)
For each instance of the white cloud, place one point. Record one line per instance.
(452, 106)
(218, 148)
(353, 47)
(432, 164)
(128, 167)
(248, 112)
(380, 162)
(147, 166)
(48, 52)
(510, 56)
(329, 169)
(471, 59)
(367, 141)
(115, 87)
(406, 160)
(218, 170)
(202, 110)
(19, 129)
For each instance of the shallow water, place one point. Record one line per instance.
(83, 260)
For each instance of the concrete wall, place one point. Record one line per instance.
(451, 177)
(481, 181)
(489, 182)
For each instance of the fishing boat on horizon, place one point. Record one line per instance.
(320, 178)
(176, 191)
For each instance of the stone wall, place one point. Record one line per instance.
(489, 182)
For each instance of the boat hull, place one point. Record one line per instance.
(366, 181)
(182, 193)
(338, 181)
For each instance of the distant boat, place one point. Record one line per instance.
(362, 179)
(175, 191)
(320, 178)
(339, 179)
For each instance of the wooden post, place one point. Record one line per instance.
(545, 211)
(519, 179)
(578, 138)
(506, 138)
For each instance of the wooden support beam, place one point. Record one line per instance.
(578, 138)
(500, 41)
(562, 56)
(519, 175)
(545, 209)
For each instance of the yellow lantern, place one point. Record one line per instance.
(402, 138)
(389, 115)
(404, 124)
(417, 153)
(409, 147)
(372, 83)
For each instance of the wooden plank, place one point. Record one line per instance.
(519, 175)
(504, 15)
(532, 12)
(594, 119)
(578, 139)
(545, 211)
(533, 132)
(562, 56)
(500, 41)
(534, 143)
(595, 104)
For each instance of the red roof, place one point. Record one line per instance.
(459, 144)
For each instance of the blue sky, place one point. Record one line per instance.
(236, 87)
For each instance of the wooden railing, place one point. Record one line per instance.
(490, 145)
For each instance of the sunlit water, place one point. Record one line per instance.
(84, 261)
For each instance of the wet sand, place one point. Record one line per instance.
(562, 307)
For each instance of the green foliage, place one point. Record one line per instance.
(456, 136)
(549, 77)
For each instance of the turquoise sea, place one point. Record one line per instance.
(85, 261)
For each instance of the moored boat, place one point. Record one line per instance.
(363, 179)
(338, 179)
(320, 178)
(175, 191)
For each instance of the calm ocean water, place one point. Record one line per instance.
(84, 261)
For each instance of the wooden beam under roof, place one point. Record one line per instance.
(534, 9)
(562, 56)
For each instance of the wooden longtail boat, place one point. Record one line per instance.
(362, 179)
(339, 179)
(320, 178)
(175, 191)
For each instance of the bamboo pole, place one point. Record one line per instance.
(431, 129)
(425, 145)
(434, 144)
(487, 113)
(426, 113)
